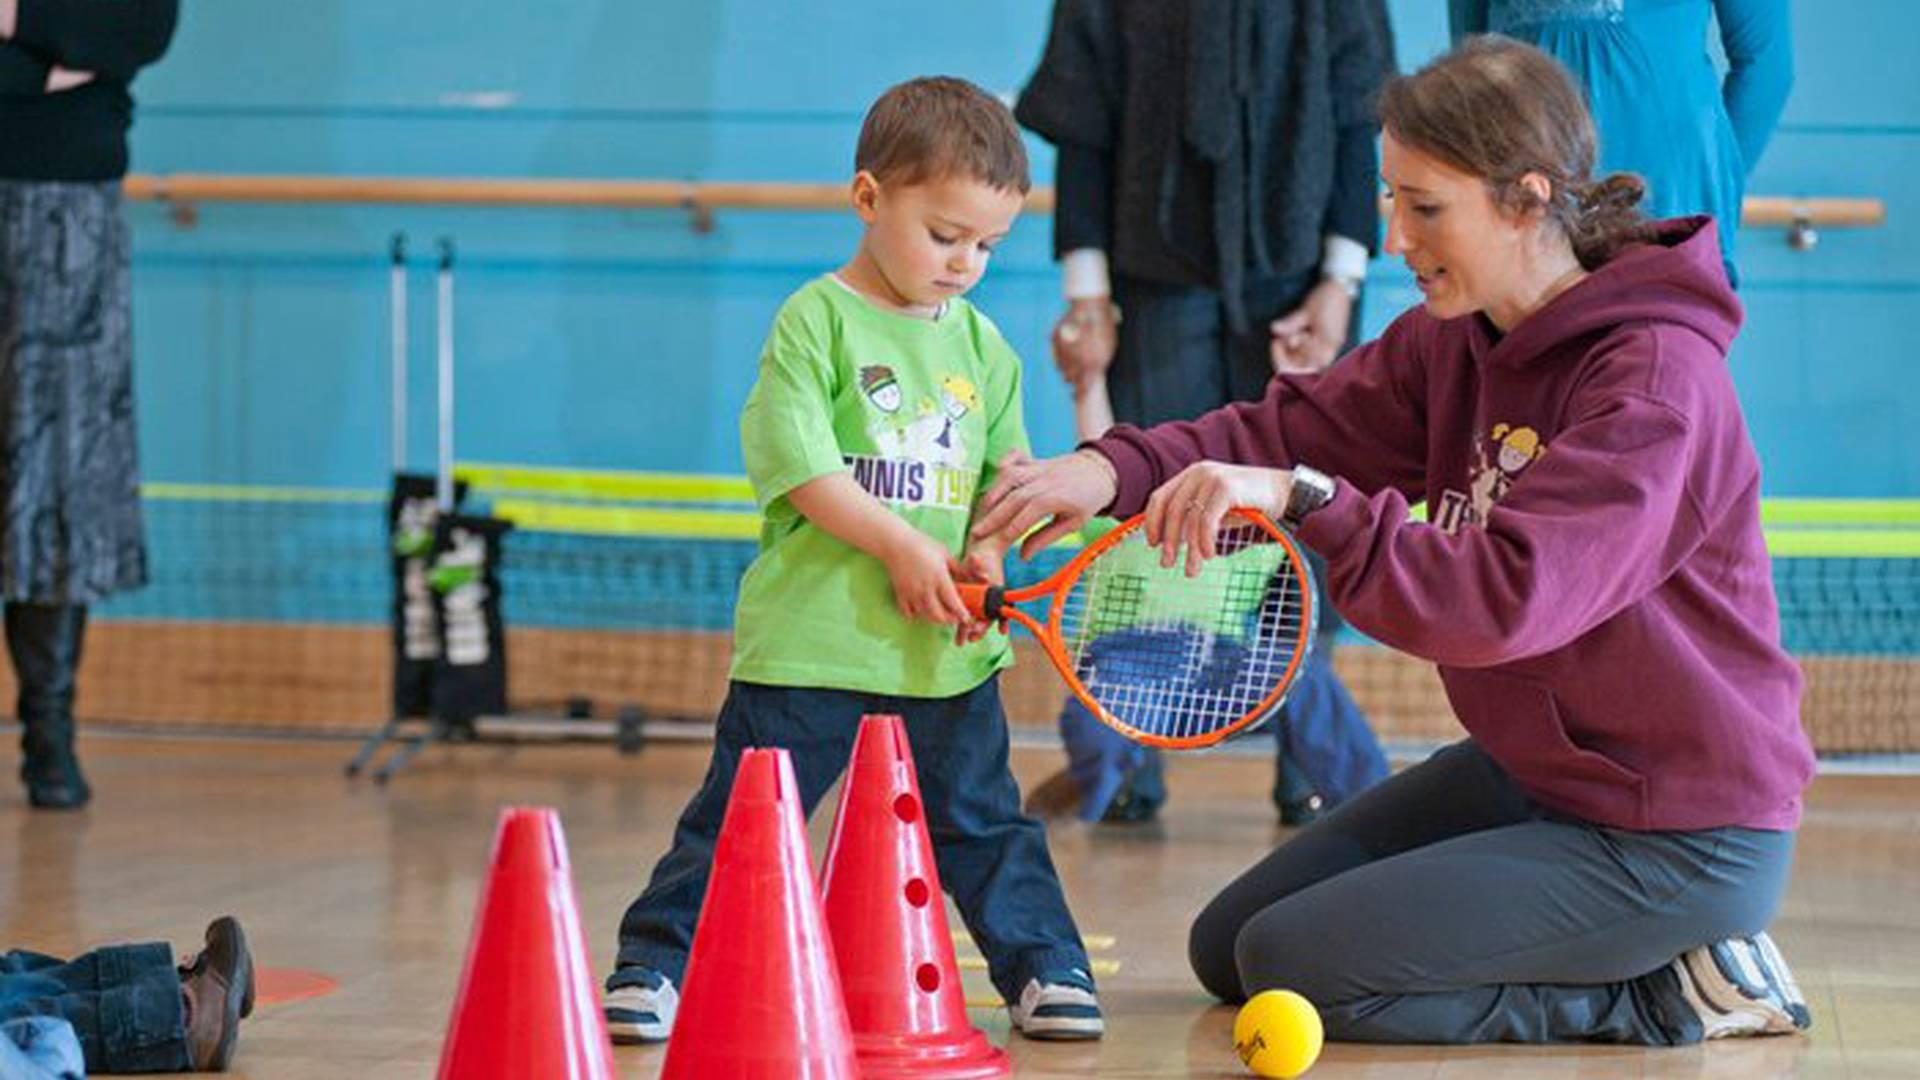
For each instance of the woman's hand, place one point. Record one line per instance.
(1308, 339)
(59, 79)
(1085, 338)
(1187, 510)
(1063, 491)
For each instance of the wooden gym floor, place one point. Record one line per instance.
(375, 889)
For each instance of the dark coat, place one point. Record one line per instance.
(1204, 140)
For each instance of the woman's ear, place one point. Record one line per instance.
(864, 194)
(1539, 188)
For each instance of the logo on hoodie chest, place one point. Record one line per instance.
(1498, 461)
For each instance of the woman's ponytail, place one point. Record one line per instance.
(1606, 217)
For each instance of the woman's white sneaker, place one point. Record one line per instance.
(1742, 986)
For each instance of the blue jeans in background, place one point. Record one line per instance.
(1319, 729)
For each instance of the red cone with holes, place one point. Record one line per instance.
(762, 999)
(527, 1005)
(888, 921)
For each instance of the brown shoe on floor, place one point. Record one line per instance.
(218, 985)
(1058, 796)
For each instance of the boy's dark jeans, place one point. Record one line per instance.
(123, 1002)
(992, 859)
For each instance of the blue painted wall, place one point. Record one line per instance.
(624, 340)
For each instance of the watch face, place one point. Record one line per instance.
(1311, 490)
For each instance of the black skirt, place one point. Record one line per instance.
(70, 528)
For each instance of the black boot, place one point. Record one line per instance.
(45, 642)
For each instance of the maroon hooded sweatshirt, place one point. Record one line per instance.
(1592, 580)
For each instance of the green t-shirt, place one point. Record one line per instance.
(917, 410)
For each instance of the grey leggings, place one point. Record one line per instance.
(1445, 906)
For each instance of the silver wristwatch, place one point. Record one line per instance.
(1312, 489)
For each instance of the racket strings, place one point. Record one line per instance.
(1179, 657)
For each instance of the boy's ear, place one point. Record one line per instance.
(865, 195)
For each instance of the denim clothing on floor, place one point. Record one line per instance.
(992, 859)
(124, 1003)
(1445, 906)
(40, 1048)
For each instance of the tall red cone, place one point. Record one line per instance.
(527, 1005)
(762, 997)
(888, 921)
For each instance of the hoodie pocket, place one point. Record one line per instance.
(1520, 724)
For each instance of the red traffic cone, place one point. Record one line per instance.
(762, 998)
(888, 921)
(527, 1005)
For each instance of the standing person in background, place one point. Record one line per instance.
(1662, 110)
(1112, 778)
(1217, 182)
(70, 530)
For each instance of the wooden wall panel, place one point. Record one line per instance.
(315, 679)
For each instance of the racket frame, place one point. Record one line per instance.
(997, 604)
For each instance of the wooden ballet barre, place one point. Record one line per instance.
(396, 190)
(1780, 210)
(1803, 218)
(183, 191)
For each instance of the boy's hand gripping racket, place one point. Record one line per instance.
(1166, 659)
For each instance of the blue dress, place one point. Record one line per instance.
(1661, 108)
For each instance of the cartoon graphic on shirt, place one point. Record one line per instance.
(937, 436)
(878, 382)
(882, 390)
(1515, 449)
(918, 462)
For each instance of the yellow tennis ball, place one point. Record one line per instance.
(1278, 1034)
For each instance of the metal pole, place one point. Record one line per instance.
(397, 306)
(443, 481)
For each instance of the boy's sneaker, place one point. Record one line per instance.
(1741, 986)
(1059, 1005)
(640, 1005)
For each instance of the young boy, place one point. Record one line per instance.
(883, 401)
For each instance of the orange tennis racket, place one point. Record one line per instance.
(1166, 659)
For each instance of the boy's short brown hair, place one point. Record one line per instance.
(937, 127)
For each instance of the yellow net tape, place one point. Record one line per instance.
(698, 506)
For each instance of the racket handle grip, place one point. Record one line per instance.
(983, 601)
